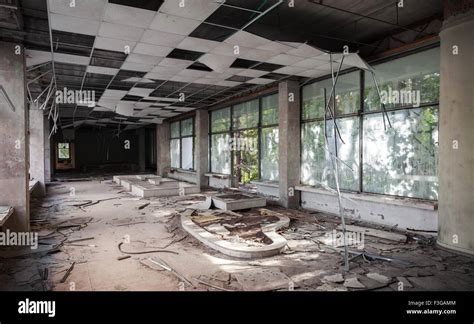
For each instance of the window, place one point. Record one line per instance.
(64, 152)
(244, 140)
(401, 160)
(182, 144)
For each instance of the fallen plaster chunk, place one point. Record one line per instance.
(337, 278)
(405, 282)
(263, 279)
(378, 277)
(327, 287)
(353, 283)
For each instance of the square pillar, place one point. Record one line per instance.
(289, 143)
(141, 150)
(37, 149)
(14, 146)
(202, 147)
(163, 158)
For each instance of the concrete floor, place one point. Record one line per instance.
(304, 265)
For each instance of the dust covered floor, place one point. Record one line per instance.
(82, 223)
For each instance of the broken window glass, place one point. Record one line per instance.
(63, 151)
(402, 161)
(347, 93)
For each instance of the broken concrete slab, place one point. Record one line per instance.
(263, 279)
(405, 282)
(378, 277)
(353, 283)
(337, 278)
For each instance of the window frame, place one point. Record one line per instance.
(180, 137)
(231, 131)
(361, 113)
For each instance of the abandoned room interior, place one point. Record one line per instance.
(238, 145)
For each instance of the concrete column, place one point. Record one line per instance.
(456, 134)
(14, 146)
(289, 143)
(141, 150)
(163, 157)
(202, 147)
(37, 149)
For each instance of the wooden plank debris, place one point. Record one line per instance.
(377, 233)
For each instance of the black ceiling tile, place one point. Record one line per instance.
(97, 80)
(131, 98)
(200, 67)
(273, 76)
(211, 32)
(72, 43)
(110, 59)
(185, 54)
(256, 5)
(267, 67)
(244, 64)
(126, 74)
(153, 5)
(117, 85)
(231, 17)
(239, 78)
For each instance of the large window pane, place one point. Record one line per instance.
(347, 93)
(245, 115)
(220, 153)
(187, 127)
(348, 153)
(245, 147)
(314, 99)
(270, 110)
(175, 129)
(316, 167)
(187, 155)
(412, 79)
(174, 147)
(402, 160)
(269, 155)
(220, 120)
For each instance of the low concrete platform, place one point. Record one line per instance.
(238, 249)
(147, 190)
(238, 201)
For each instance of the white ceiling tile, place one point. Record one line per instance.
(260, 81)
(127, 15)
(89, 9)
(198, 44)
(313, 73)
(224, 49)
(112, 44)
(110, 93)
(183, 78)
(206, 81)
(252, 73)
(73, 59)
(174, 24)
(102, 70)
(290, 70)
(137, 67)
(166, 69)
(193, 73)
(217, 62)
(37, 57)
(164, 99)
(225, 83)
(172, 62)
(101, 108)
(305, 50)
(285, 59)
(310, 63)
(124, 32)
(255, 54)
(193, 9)
(133, 79)
(153, 50)
(161, 38)
(142, 104)
(158, 76)
(143, 59)
(124, 108)
(275, 47)
(74, 25)
(142, 92)
(243, 38)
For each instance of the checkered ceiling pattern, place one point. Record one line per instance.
(150, 60)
